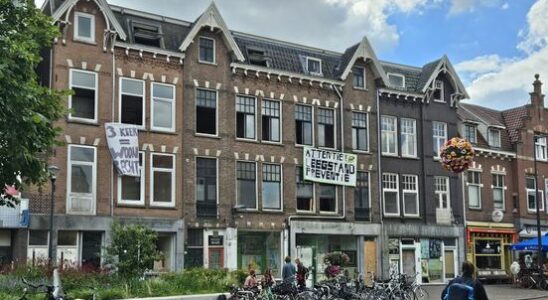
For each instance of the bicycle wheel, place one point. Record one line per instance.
(420, 294)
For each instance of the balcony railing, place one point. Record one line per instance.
(444, 216)
(362, 214)
(15, 217)
(206, 209)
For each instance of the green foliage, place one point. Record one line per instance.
(133, 249)
(27, 109)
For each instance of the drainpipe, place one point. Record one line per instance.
(112, 119)
(423, 162)
(379, 180)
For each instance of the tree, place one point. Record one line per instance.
(133, 249)
(27, 109)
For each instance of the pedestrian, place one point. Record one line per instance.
(251, 280)
(268, 280)
(288, 270)
(301, 274)
(465, 287)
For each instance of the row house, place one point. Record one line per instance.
(500, 187)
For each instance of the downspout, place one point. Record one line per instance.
(423, 162)
(113, 39)
(379, 179)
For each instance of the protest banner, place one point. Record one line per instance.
(330, 167)
(123, 143)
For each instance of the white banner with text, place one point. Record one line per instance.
(123, 143)
(330, 167)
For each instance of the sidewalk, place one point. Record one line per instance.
(495, 292)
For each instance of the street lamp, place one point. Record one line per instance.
(52, 170)
(540, 259)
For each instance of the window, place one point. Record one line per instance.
(488, 253)
(83, 103)
(359, 77)
(163, 107)
(271, 121)
(82, 179)
(147, 34)
(38, 237)
(494, 137)
(438, 91)
(441, 192)
(303, 125)
(470, 133)
(389, 139)
(474, 189)
(206, 187)
(246, 184)
(390, 193)
(410, 195)
(408, 129)
(305, 192)
(162, 183)
(206, 112)
(207, 50)
(498, 191)
(360, 135)
(84, 27)
(132, 101)
(361, 197)
(396, 80)
(194, 257)
(272, 186)
(245, 117)
(257, 57)
(540, 148)
(328, 198)
(131, 190)
(314, 66)
(530, 186)
(326, 128)
(439, 135)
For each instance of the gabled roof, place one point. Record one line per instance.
(365, 51)
(490, 118)
(442, 65)
(411, 74)
(212, 18)
(65, 7)
(514, 121)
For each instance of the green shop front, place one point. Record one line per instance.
(260, 250)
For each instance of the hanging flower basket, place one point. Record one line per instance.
(456, 155)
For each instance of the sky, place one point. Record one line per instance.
(496, 46)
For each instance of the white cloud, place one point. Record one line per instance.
(462, 6)
(536, 35)
(505, 6)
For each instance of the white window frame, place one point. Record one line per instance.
(438, 193)
(313, 210)
(173, 107)
(436, 138)
(77, 37)
(121, 93)
(441, 88)
(93, 195)
(214, 51)
(254, 118)
(281, 187)
(475, 130)
(364, 82)
(323, 212)
(533, 190)
(173, 174)
(280, 127)
(397, 190)
(256, 184)
(355, 149)
(313, 119)
(216, 113)
(96, 90)
(503, 188)
(490, 141)
(479, 185)
(396, 75)
(394, 132)
(409, 191)
(410, 137)
(314, 59)
(541, 148)
(142, 169)
(334, 128)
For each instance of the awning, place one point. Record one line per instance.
(531, 234)
(532, 244)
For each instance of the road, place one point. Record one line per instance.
(496, 292)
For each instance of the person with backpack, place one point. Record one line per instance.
(465, 287)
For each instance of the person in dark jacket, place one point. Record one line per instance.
(288, 270)
(301, 273)
(467, 278)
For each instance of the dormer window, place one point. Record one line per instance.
(470, 133)
(257, 57)
(207, 50)
(494, 137)
(147, 34)
(396, 80)
(84, 27)
(359, 77)
(314, 66)
(438, 91)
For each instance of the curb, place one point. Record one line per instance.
(534, 297)
(184, 297)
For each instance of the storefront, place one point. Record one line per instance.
(488, 247)
(260, 250)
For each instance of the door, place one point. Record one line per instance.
(216, 258)
(450, 262)
(305, 255)
(370, 260)
(409, 265)
(91, 249)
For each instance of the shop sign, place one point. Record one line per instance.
(123, 143)
(497, 215)
(329, 167)
(215, 240)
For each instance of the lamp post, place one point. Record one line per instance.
(53, 170)
(540, 258)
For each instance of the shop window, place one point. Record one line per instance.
(303, 125)
(83, 103)
(532, 199)
(541, 148)
(162, 175)
(84, 27)
(272, 186)
(246, 179)
(326, 128)
(206, 187)
(494, 137)
(359, 77)
(431, 260)
(390, 193)
(132, 101)
(163, 107)
(271, 114)
(259, 251)
(245, 117)
(488, 254)
(470, 133)
(389, 135)
(410, 187)
(328, 198)
(194, 256)
(439, 136)
(408, 135)
(360, 136)
(305, 192)
(206, 112)
(441, 192)
(498, 191)
(474, 185)
(361, 197)
(131, 190)
(207, 50)
(438, 91)
(82, 179)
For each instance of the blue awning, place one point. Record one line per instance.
(532, 244)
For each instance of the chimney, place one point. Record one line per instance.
(537, 98)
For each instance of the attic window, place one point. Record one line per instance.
(147, 34)
(494, 137)
(396, 80)
(438, 91)
(314, 66)
(257, 57)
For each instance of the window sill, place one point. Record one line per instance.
(329, 213)
(439, 101)
(161, 131)
(410, 157)
(272, 143)
(272, 211)
(163, 206)
(210, 63)
(130, 204)
(247, 140)
(306, 212)
(328, 148)
(363, 89)
(205, 135)
(390, 155)
(392, 216)
(362, 152)
(302, 145)
(83, 121)
(475, 208)
(412, 217)
(84, 41)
